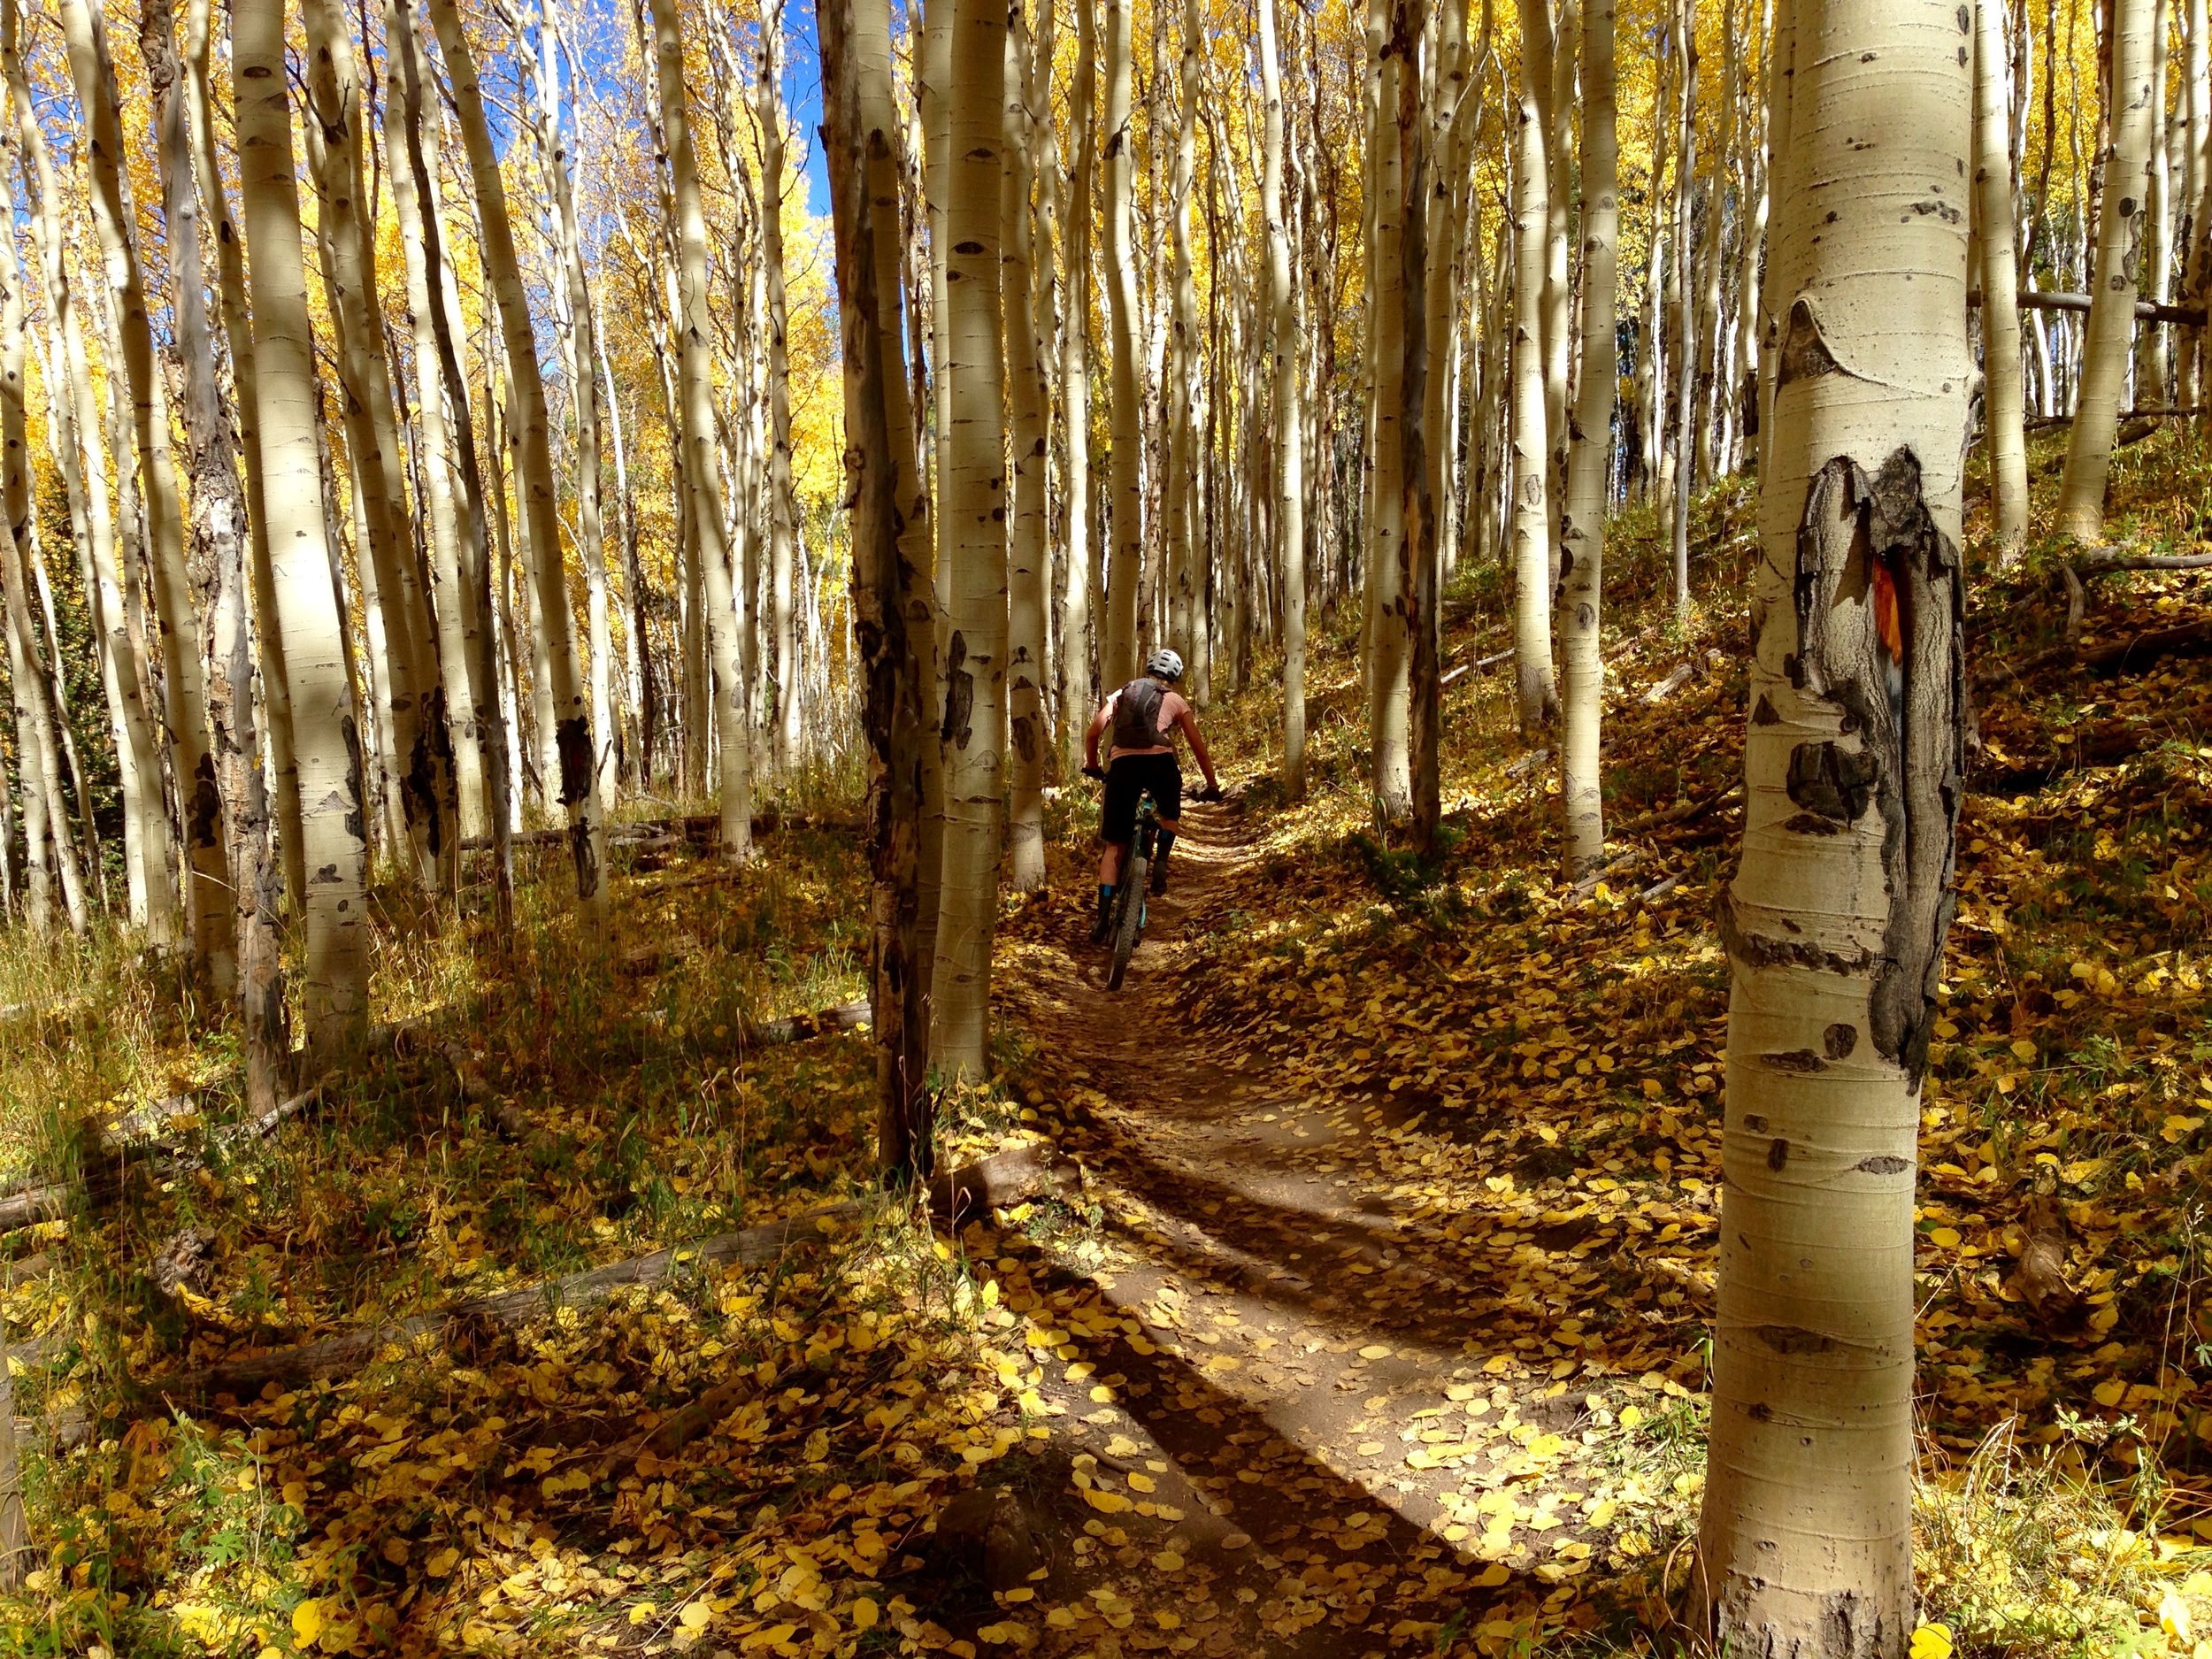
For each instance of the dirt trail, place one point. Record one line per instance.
(1260, 1337)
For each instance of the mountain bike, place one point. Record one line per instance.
(1127, 926)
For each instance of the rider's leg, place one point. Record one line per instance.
(1109, 876)
(1160, 850)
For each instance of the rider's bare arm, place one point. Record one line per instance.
(1091, 736)
(1199, 752)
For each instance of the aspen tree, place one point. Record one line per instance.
(408, 664)
(575, 314)
(275, 717)
(1535, 690)
(1589, 457)
(781, 504)
(1081, 669)
(1413, 630)
(1834, 922)
(861, 135)
(2110, 332)
(456, 607)
(219, 532)
(579, 788)
(2002, 398)
(73, 432)
(1126, 488)
(973, 675)
(207, 910)
(708, 535)
(335, 850)
(2195, 241)
(1026, 550)
(1389, 657)
(1289, 450)
(1185, 581)
(50, 854)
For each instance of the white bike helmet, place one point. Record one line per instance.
(1165, 664)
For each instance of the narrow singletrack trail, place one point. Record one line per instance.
(1277, 1416)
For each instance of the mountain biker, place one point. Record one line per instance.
(1144, 716)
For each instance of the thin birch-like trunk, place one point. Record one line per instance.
(2110, 334)
(50, 852)
(219, 532)
(1125, 487)
(861, 135)
(709, 529)
(1536, 692)
(1389, 596)
(2002, 398)
(207, 908)
(1185, 601)
(1289, 451)
(782, 504)
(1080, 690)
(1589, 459)
(1026, 551)
(1834, 922)
(579, 786)
(306, 604)
(74, 431)
(973, 676)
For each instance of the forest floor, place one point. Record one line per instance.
(1348, 1296)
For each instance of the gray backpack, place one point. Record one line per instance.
(1137, 715)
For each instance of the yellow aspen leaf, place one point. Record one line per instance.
(1106, 1502)
(441, 1562)
(865, 1613)
(1142, 1483)
(694, 1615)
(307, 1621)
(1932, 1641)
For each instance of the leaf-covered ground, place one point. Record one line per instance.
(1375, 1324)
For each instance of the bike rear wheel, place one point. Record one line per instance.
(1129, 919)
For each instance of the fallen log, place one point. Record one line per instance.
(1005, 1179)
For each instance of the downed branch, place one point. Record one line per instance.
(27, 1206)
(1677, 677)
(1004, 1179)
(1681, 812)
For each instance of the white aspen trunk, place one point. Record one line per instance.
(973, 695)
(457, 612)
(282, 779)
(1557, 49)
(1834, 922)
(1685, 312)
(1781, 164)
(335, 850)
(1589, 459)
(1289, 452)
(578, 318)
(405, 667)
(2196, 237)
(2111, 330)
(1125, 487)
(1536, 691)
(1026, 549)
(50, 854)
(1080, 689)
(219, 526)
(781, 503)
(1389, 655)
(207, 908)
(708, 539)
(2002, 404)
(2151, 356)
(1184, 580)
(578, 790)
(75, 433)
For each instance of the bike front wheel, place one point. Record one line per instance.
(1130, 922)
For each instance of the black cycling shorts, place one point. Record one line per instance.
(1131, 776)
